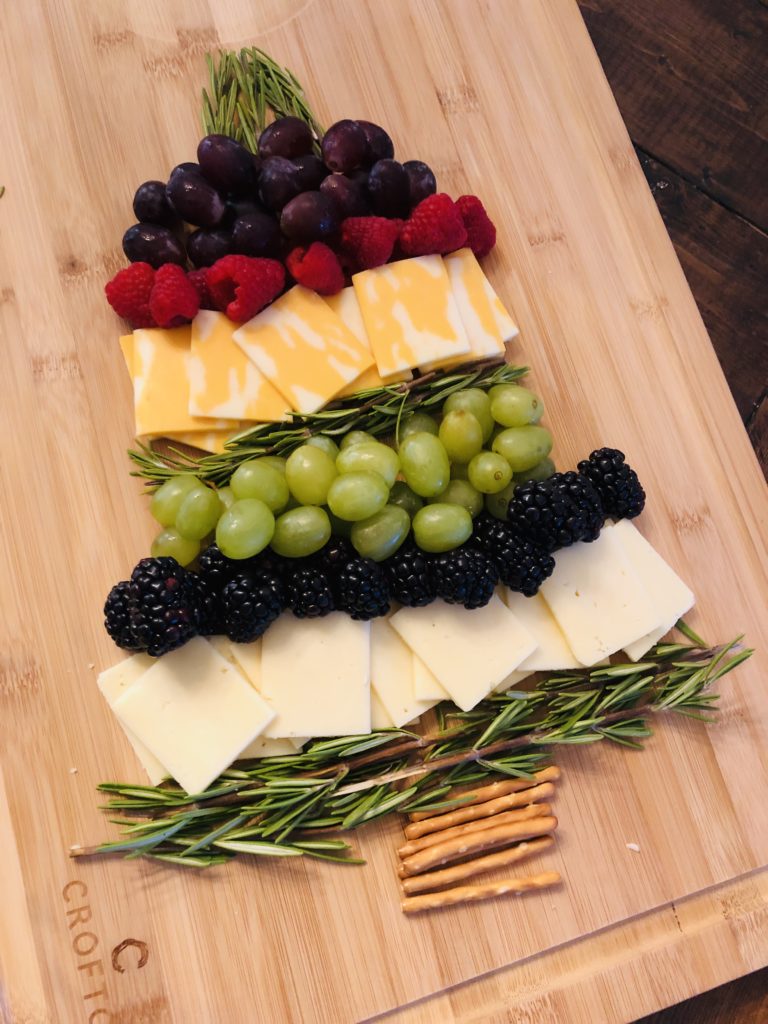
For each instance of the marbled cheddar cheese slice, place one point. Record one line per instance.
(410, 314)
(304, 348)
(159, 360)
(486, 321)
(346, 306)
(205, 440)
(222, 379)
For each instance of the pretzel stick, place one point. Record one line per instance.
(484, 810)
(495, 789)
(520, 814)
(465, 845)
(474, 893)
(448, 876)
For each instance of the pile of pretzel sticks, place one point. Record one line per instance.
(496, 826)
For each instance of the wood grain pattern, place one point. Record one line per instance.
(504, 100)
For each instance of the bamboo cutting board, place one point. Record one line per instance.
(506, 100)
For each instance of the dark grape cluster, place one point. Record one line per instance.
(235, 201)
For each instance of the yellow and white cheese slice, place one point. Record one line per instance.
(346, 306)
(410, 314)
(392, 674)
(316, 674)
(223, 381)
(113, 683)
(426, 686)
(304, 348)
(487, 323)
(598, 599)
(195, 711)
(552, 652)
(672, 598)
(448, 638)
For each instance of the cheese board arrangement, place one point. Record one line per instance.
(372, 592)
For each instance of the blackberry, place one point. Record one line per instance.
(164, 612)
(621, 493)
(465, 576)
(557, 512)
(523, 566)
(250, 603)
(360, 587)
(336, 551)
(218, 570)
(117, 617)
(409, 576)
(308, 592)
(208, 605)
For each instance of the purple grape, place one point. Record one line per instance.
(205, 247)
(279, 182)
(240, 206)
(151, 206)
(287, 136)
(312, 171)
(389, 189)
(345, 146)
(188, 166)
(226, 164)
(195, 199)
(422, 180)
(310, 217)
(256, 234)
(379, 143)
(153, 244)
(349, 196)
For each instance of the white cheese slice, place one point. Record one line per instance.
(671, 597)
(195, 712)
(264, 747)
(392, 674)
(426, 685)
(512, 681)
(316, 674)
(115, 681)
(552, 653)
(470, 652)
(379, 716)
(598, 599)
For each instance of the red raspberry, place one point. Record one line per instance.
(481, 231)
(435, 226)
(128, 294)
(317, 268)
(197, 278)
(241, 286)
(174, 300)
(368, 242)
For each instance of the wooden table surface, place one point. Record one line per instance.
(510, 104)
(696, 114)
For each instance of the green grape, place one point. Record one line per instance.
(489, 472)
(325, 444)
(417, 423)
(402, 495)
(226, 496)
(459, 471)
(245, 529)
(381, 534)
(301, 532)
(460, 492)
(253, 479)
(498, 503)
(461, 435)
(356, 496)
(441, 527)
(198, 513)
(275, 461)
(356, 437)
(170, 544)
(372, 457)
(540, 471)
(523, 447)
(425, 464)
(515, 406)
(477, 402)
(168, 497)
(310, 472)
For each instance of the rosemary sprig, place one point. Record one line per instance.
(377, 410)
(285, 806)
(243, 87)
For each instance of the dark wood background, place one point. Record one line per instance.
(691, 81)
